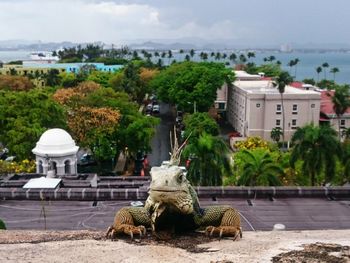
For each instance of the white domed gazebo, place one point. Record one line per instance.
(56, 150)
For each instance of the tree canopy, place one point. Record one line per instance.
(199, 123)
(189, 82)
(24, 116)
(104, 120)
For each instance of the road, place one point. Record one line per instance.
(160, 142)
(260, 214)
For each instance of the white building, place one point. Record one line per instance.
(254, 108)
(56, 150)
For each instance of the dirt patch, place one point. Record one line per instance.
(188, 242)
(318, 253)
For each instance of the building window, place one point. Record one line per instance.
(312, 105)
(221, 105)
(294, 124)
(258, 105)
(295, 109)
(278, 109)
(278, 122)
(41, 170)
(342, 124)
(67, 167)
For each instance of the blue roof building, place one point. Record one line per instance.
(73, 67)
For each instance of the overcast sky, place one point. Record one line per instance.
(114, 21)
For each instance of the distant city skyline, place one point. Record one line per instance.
(268, 22)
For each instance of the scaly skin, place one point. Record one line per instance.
(173, 205)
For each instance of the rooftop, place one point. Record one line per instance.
(266, 87)
(327, 104)
(55, 142)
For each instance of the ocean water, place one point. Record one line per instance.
(306, 68)
(308, 62)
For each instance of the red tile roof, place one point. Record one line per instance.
(327, 104)
(297, 84)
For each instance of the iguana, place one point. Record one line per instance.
(173, 205)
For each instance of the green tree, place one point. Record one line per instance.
(68, 80)
(341, 102)
(270, 69)
(318, 70)
(188, 82)
(281, 82)
(324, 66)
(233, 57)
(334, 71)
(276, 134)
(318, 148)
(251, 55)
(24, 116)
(309, 81)
(52, 77)
(2, 225)
(209, 160)
(259, 169)
(199, 123)
(242, 59)
(346, 159)
(192, 53)
(100, 77)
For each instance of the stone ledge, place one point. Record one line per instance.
(87, 194)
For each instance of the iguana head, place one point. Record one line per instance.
(170, 189)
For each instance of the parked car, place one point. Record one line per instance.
(87, 159)
(10, 159)
(156, 108)
(4, 153)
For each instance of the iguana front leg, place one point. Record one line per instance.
(221, 221)
(130, 221)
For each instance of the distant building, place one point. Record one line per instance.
(254, 107)
(328, 114)
(286, 48)
(35, 69)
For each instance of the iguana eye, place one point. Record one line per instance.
(180, 177)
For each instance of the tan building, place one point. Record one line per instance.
(254, 108)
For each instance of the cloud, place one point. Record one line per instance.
(108, 21)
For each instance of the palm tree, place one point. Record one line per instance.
(341, 102)
(242, 58)
(296, 61)
(317, 147)
(170, 55)
(325, 65)
(276, 134)
(334, 71)
(217, 56)
(271, 58)
(259, 169)
(251, 55)
(318, 70)
(209, 160)
(187, 57)
(233, 57)
(191, 53)
(281, 82)
(290, 65)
